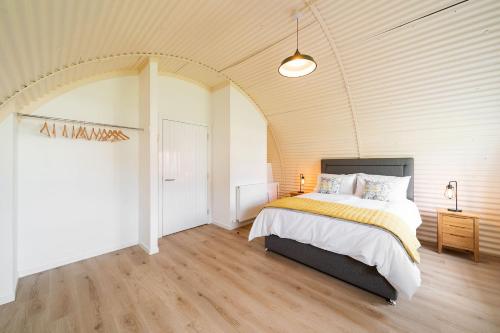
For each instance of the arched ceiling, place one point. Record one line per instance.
(48, 43)
(415, 78)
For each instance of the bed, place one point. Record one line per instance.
(403, 274)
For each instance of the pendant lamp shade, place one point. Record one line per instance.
(298, 64)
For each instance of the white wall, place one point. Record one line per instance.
(248, 145)
(183, 100)
(239, 150)
(8, 269)
(273, 156)
(78, 198)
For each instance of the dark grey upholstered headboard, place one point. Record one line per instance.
(375, 166)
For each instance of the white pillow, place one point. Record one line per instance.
(399, 185)
(347, 186)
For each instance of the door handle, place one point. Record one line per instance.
(169, 179)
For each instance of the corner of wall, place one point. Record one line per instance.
(7, 298)
(230, 226)
(149, 250)
(8, 228)
(15, 272)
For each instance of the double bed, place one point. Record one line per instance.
(362, 255)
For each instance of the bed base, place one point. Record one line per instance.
(339, 266)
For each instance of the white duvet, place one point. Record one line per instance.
(370, 245)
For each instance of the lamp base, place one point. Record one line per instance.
(300, 192)
(455, 210)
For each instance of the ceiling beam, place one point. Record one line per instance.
(338, 58)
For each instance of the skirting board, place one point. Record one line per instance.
(244, 223)
(4, 299)
(233, 225)
(10, 297)
(223, 226)
(72, 259)
(148, 250)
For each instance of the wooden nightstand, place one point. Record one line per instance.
(294, 194)
(458, 231)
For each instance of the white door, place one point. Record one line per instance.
(184, 157)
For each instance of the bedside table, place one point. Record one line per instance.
(294, 194)
(459, 231)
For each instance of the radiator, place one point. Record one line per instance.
(251, 198)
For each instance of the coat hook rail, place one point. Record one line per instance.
(25, 115)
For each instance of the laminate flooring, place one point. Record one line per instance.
(209, 279)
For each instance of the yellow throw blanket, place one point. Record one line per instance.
(384, 220)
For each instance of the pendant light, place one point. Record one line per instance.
(298, 64)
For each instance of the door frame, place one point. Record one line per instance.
(161, 183)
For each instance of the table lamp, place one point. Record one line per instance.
(301, 183)
(452, 192)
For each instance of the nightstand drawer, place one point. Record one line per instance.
(458, 222)
(458, 241)
(456, 229)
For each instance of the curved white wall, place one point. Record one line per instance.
(239, 145)
(183, 100)
(78, 198)
(248, 145)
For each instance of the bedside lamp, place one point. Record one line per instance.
(301, 183)
(452, 192)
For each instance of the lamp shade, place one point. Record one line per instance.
(449, 193)
(297, 65)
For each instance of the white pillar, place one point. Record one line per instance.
(149, 196)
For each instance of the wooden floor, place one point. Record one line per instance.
(211, 280)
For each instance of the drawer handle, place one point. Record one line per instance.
(459, 236)
(456, 226)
